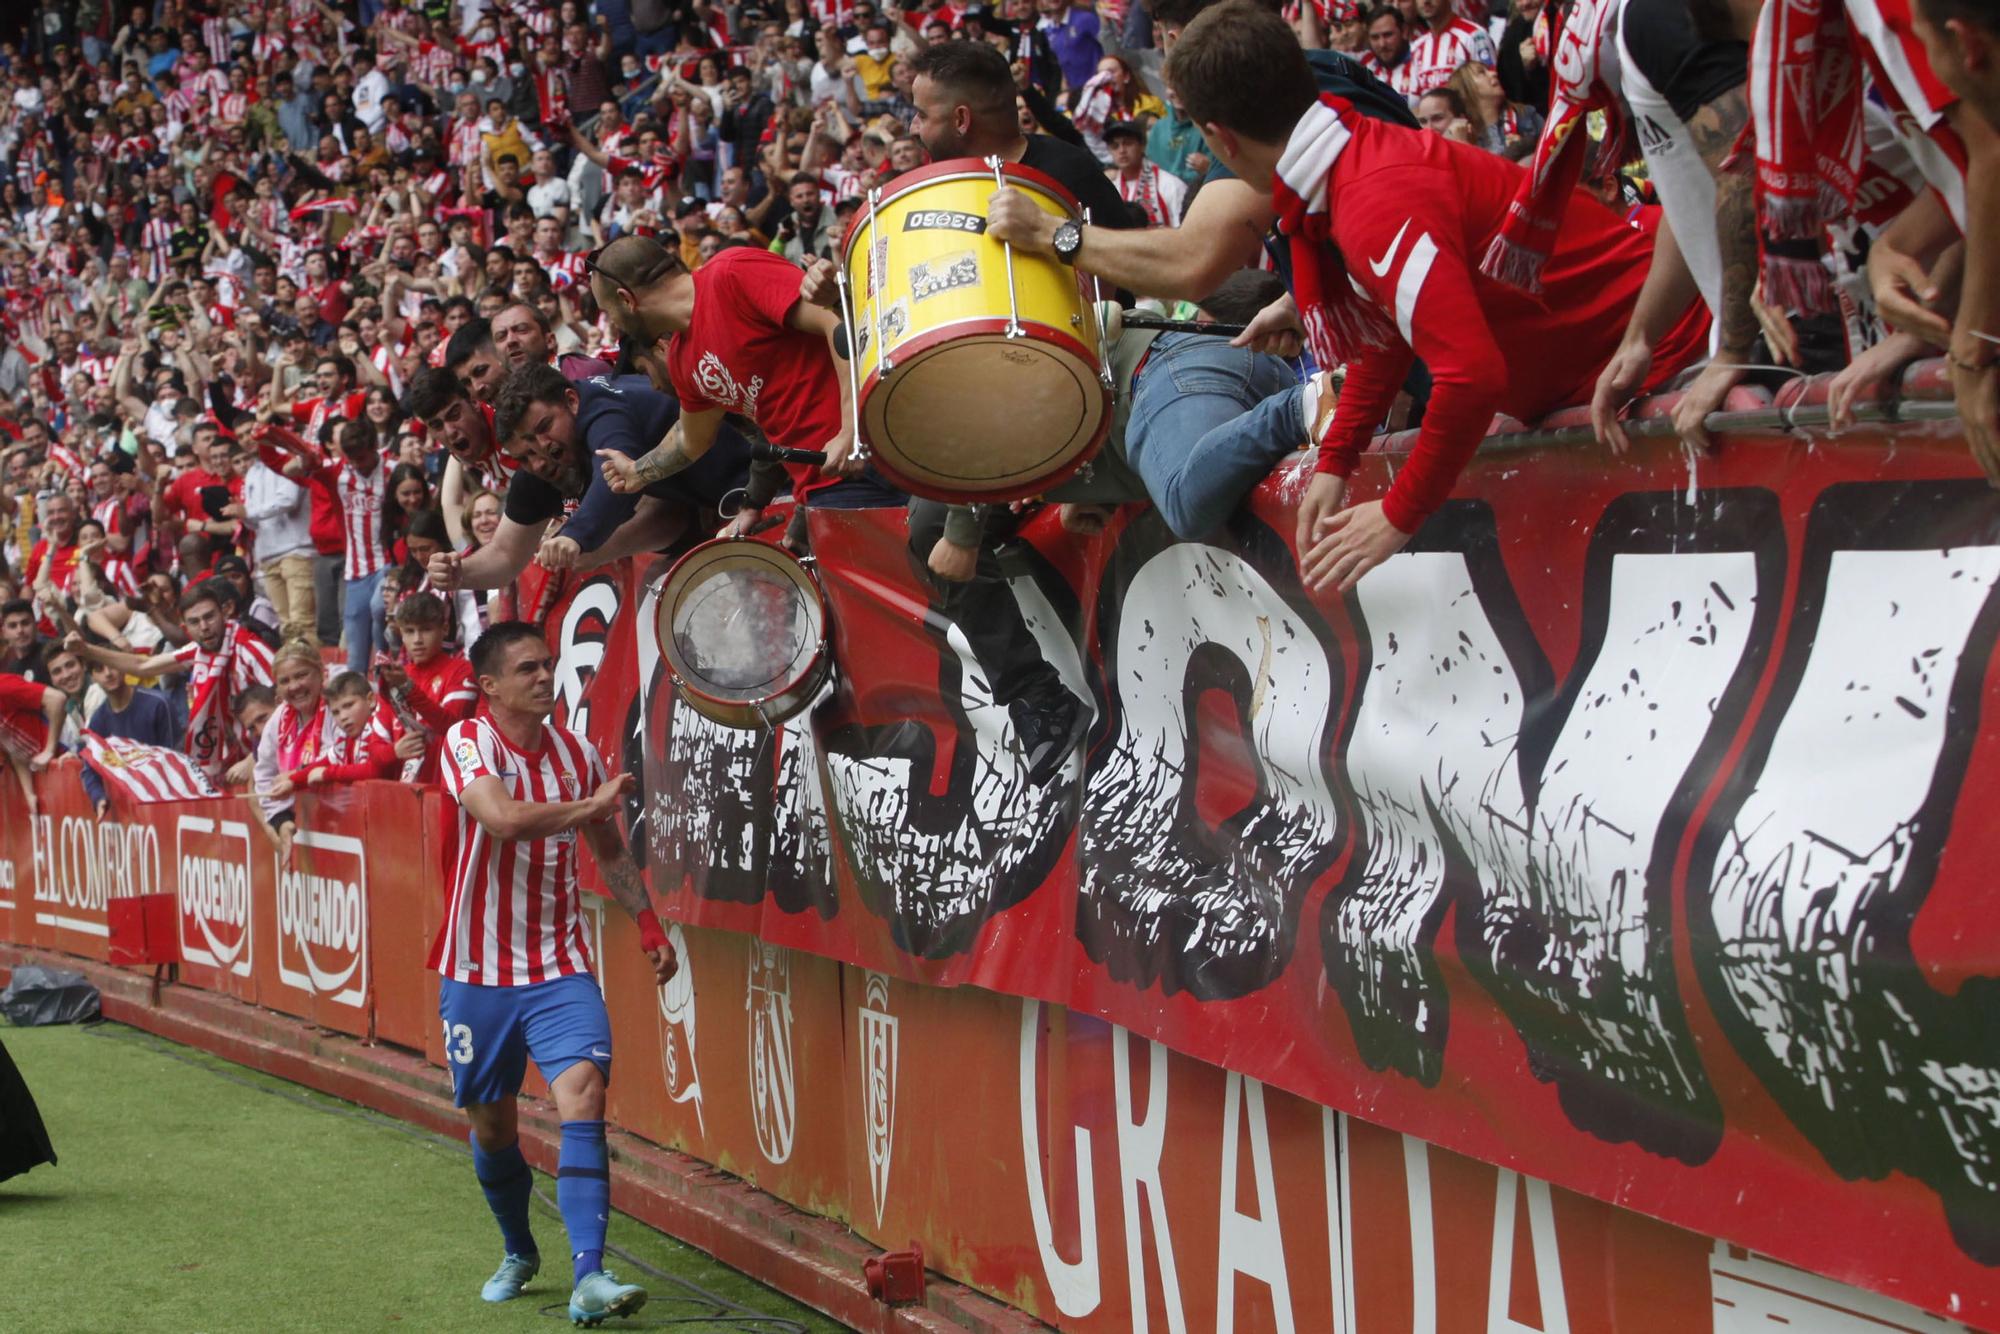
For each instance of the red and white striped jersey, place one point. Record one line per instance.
(119, 574)
(1435, 56)
(267, 46)
(361, 512)
(231, 108)
(565, 267)
(208, 88)
(513, 917)
(433, 63)
(540, 19)
(215, 36)
(464, 144)
(155, 238)
(1402, 78)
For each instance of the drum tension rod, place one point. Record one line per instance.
(859, 450)
(1013, 302)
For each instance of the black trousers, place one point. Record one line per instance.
(983, 607)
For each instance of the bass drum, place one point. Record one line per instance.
(744, 629)
(981, 377)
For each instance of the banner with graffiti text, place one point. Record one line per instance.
(1629, 829)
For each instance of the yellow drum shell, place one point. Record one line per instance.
(958, 399)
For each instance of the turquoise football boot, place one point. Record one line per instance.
(513, 1274)
(599, 1295)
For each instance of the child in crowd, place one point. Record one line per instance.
(364, 748)
(431, 688)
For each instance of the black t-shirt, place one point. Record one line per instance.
(1673, 57)
(626, 414)
(1078, 171)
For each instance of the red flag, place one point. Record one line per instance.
(145, 773)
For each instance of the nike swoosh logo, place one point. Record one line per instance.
(1381, 266)
(600, 1055)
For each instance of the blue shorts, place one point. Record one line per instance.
(491, 1032)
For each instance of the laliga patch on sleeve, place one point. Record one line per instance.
(466, 755)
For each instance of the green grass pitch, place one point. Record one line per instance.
(197, 1195)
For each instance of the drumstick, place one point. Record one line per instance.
(1140, 320)
(770, 453)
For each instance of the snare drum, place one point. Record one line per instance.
(743, 627)
(981, 379)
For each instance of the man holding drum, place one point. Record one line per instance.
(735, 337)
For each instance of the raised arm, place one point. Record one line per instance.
(132, 664)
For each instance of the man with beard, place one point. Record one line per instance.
(524, 337)
(222, 658)
(964, 94)
(555, 429)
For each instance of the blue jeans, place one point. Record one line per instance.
(1209, 421)
(362, 616)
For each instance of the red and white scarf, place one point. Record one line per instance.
(1805, 106)
(303, 742)
(1340, 322)
(209, 735)
(1534, 219)
(1145, 192)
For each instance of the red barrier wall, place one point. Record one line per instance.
(1041, 1155)
(1419, 855)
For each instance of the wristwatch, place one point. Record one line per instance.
(1067, 241)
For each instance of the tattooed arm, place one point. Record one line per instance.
(687, 440)
(621, 877)
(1714, 131)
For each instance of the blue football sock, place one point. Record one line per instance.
(508, 1184)
(583, 1192)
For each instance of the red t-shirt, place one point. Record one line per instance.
(24, 730)
(445, 691)
(184, 493)
(64, 569)
(1413, 214)
(738, 354)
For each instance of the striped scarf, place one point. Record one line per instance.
(1534, 219)
(1805, 105)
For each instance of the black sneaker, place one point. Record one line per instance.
(1049, 725)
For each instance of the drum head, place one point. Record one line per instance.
(982, 416)
(742, 625)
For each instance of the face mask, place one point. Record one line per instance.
(479, 76)
(878, 52)
(457, 87)
(517, 69)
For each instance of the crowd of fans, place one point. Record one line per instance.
(318, 316)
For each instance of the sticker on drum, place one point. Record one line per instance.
(743, 626)
(878, 264)
(895, 322)
(958, 269)
(944, 220)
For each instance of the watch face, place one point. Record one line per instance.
(1067, 238)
